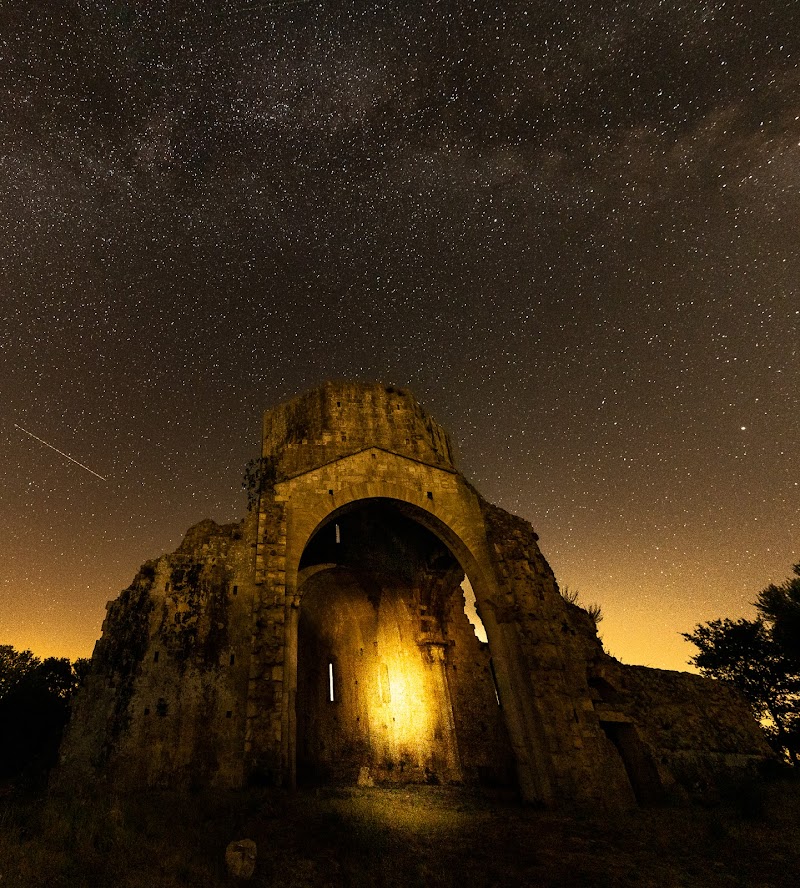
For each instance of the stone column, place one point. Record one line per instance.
(516, 693)
(289, 702)
(436, 652)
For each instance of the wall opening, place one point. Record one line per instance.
(494, 682)
(384, 634)
(470, 609)
(639, 766)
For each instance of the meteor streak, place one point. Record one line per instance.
(60, 452)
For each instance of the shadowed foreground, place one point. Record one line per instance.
(431, 836)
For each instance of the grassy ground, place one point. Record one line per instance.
(437, 837)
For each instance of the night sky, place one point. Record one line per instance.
(572, 228)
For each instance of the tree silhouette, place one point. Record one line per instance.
(259, 475)
(34, 706)
(762, 658)
(780, 607)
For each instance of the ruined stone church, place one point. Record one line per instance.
(323, 640)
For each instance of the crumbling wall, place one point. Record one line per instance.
(552, 647)
(691, 729)
(483, 744)
(697, 728)
(164, 703)
(338, 419)
(101, 711)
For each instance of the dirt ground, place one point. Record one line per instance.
(413, 836)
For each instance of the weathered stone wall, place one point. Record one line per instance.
(580, 764)
(165, 701)
(101, 711)
(390, 713)
(338, 419)
(267, 699)
(625, 731)
(484, 747)
(697, 728)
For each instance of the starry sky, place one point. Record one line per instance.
(570, 227)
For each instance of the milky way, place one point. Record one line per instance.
(570, 228)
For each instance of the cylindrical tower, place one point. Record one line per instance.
(341, 418)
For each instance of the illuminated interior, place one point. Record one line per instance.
(393, 682)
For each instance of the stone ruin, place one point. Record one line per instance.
(323, 639)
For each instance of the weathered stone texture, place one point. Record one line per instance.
(338, 419)
(697, 728)
(214, 668)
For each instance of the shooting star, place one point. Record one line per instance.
(60, 452)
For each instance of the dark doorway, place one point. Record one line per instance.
(639, 766)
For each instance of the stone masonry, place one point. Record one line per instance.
(323, 639)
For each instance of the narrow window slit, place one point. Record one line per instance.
(330, 682)
(494, 682)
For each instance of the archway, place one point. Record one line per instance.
(392, 683)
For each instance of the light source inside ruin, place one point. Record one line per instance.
(382, 612)
(403, 714)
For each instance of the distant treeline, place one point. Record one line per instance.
(35, 698)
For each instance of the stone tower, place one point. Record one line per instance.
(323, 639)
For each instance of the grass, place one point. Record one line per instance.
(437, 837)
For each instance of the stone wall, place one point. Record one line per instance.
(338, 419)
(484, 747)
(165, 700)
(697, 728)
(550, 648)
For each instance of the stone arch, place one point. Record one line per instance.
(445, 526)
(441, 501)
(488, 758)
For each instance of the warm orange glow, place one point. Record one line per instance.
(401, 714)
